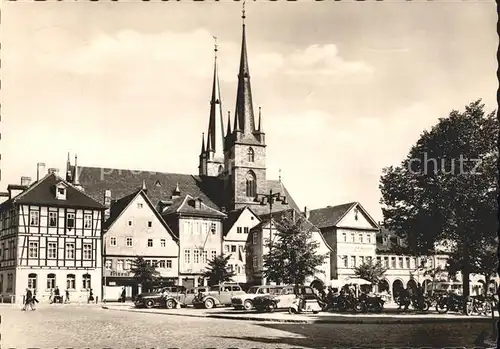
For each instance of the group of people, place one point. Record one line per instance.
(55, 297)
(407, 294)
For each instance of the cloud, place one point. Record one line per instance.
(324, 60)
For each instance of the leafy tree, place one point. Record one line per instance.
(292, 253)
(447, 186)
(370, 271)
(218, 270)
(144, 273)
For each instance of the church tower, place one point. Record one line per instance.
(245, 146)
(212, 157)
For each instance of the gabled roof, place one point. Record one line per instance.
(43, 193)
(233, 216)
(187, 207)
(329, 216)
(121, 205)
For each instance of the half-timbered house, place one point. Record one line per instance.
(50, 236)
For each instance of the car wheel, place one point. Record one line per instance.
(442, 308)
(271, 307)
(150, 303)
(209, 304)
(248, 305)
(358, 308)
(170, 304)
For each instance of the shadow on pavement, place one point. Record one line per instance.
(461, 334)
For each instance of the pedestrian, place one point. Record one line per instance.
(91, 296)
(51, 297)
(123, 295)
(67, 296)
(57, 295)
(34, 300)
(28, 300)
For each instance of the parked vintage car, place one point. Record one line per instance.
(284, 299)
(245, 301)
(186, 298)
(161, 297)
(217, 295)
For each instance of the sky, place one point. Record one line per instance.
(345, 88)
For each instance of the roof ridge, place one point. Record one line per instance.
(136, 171)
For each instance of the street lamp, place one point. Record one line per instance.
(268, 199)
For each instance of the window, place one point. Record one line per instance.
(87, 221)
(393, 262)
(52, 250)
(213, 228)
(139, 205)
(34, 218)
(239, 230)
(70, 251)
(129, 223)
(86, 282)
(196, 256)
(70, 282)
(360, 238)
(2, 249)
(400, 260)
(353, 261)
(344, 237)
(108, 264)
(345, 262)
(127, 264)
(255, 264)
(52, 219)
(70, 220)
(168, 263)
(255, 237)
(129, 242)
(187, 256)
(150, 224)
(150, 242)
(51, 281)
(353, 237)
(245, 230)
(112, 241)
(233, 248)
(32, 281)
(213, 254)
(379, 260)
(250, 155)
(369, 259)
(162, 264)
(204, 257)
(407, 259)
(87, 251)
(119, 264)
(1, 283)
(33, 249)
(226, 248)
(369, 238)
(361, 260)
(10, 282)
(251, 185)
(386, 262)
(162, 243)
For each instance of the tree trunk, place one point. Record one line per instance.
(465, 278)
(486, 284)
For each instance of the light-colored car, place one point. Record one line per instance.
(217, 295)
(246, 301)
(284, 299)
(186, 298)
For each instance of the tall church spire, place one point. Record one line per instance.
(244, 106)
(215, 134)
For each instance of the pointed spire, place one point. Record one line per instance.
(260, 121)
(68, 169)
(144, 185)
(76, 180)
(228, 123)
(244, 106)
(177, 190)
(216, 123)
(202, 143)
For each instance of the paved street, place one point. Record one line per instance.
(94, 327)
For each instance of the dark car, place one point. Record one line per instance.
(163, 297)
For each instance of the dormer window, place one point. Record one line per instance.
(61, 191)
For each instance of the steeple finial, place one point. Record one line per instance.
(243, 12)
(260, 120)
(244, 106)
(144, 185)
(280, 175)
(76, 180)
(215, 134)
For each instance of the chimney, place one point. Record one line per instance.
(306, 212)
(40, 170)
(15, 189)
(4, 196)
(53, 170)
(107, 203)
(25, 181)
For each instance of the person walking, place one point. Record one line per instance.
(123, 295)
(67, 296)
(91, 296)
(34, 300)
(28, 300)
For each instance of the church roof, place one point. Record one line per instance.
(329, 216)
